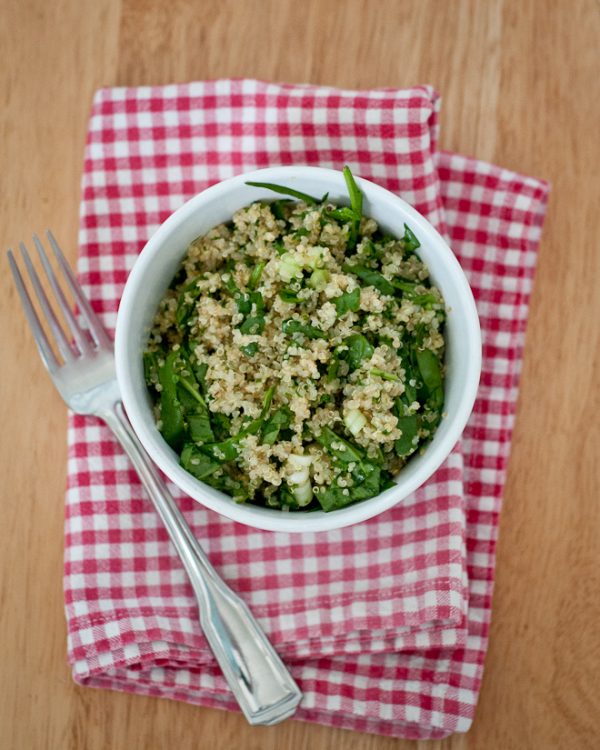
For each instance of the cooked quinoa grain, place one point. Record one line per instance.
(296, 361)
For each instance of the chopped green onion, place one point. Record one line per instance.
(256, 274)
(356, 201)
(289, 268)
(318, 278)
(302, 493)
(354, 420)
(385, 375)
(286, 191)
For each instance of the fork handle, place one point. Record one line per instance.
(261, 683)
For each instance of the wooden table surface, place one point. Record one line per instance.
(519, 79)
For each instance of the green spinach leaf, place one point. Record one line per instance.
(411, 243)
(347, 302)
(186, 302)
(358, 349)
(279, 420)
(431, 371)
(291, 325)
(171, 410)
(406, 444)
(290, 296)
(197, 463)
(371, 278)
(340, 448)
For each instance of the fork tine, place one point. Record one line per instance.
(41, 340)
(59, 335)
(80, 337)
(96, 328)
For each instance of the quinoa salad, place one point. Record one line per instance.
(296, 360)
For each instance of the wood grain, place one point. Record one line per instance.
(520, 85)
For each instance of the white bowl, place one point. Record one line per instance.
(157, 265)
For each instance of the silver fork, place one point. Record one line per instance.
(262, 685)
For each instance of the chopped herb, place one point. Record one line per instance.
(371, 251)
(242, 300)
(250, 349)
(253, 325)
(279, 247)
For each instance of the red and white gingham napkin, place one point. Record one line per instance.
(383, 624)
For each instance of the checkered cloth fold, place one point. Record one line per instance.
(383, 624)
